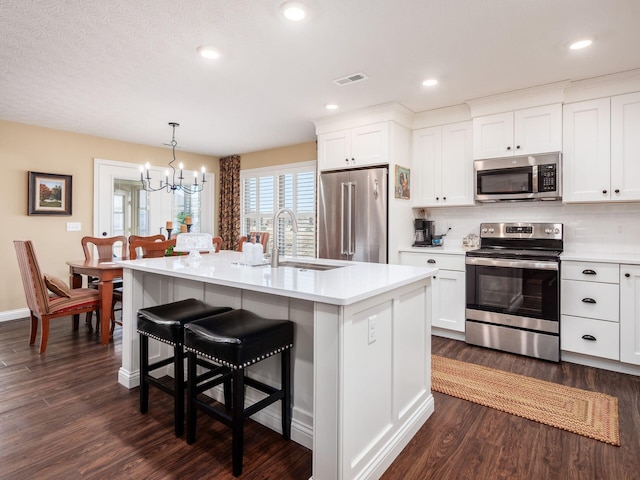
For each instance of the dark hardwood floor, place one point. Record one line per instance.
(64, 416)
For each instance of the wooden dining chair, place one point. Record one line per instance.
(150, 238)
(103, 248)
(217, 242)
(44, 306)
(149, 249)
(264, 240)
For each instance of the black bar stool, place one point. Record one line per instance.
(166, 324)
(235, 340)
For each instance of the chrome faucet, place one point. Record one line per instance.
(275, 253)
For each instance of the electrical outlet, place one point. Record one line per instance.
(371, 327)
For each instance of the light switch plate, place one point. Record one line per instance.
(74, 226)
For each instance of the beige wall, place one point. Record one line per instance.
(302, 152)
(26, 148)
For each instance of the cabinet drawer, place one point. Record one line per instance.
(591, 299)
(442, 261)
(591, 271)
(606, 335)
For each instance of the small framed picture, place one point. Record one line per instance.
(403, 182)
(49, 194)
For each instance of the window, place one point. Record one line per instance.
(265, 190)
(186, 205)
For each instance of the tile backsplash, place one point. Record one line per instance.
(612, 228)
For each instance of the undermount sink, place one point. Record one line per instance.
(308, 266)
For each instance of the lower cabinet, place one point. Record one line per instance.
(590, 316)
(630, 314)
(448, 287)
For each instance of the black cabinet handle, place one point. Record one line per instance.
(617, 190)
(627, 275)
(589, 272)
(104, 234)
(518, 147)
(353, 159)
(346, 160)
(591, 338)
(431, 260)
(508, 148)
(588, 300)
(437, 198)
(604, 192)
(444, 198)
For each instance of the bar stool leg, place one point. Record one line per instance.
(238, 421)
(192, 383)
(178, 389)
(286, 387)
(144, 372)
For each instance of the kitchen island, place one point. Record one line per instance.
(362, 353)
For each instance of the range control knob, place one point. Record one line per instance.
(484, 230)
(548, 230)
(557, 230)
(491, 230)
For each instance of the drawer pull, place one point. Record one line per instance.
(431, 260)
(588, 300)
(591, 338)
(627, 275)
(588, 272)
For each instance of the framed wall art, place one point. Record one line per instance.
(403, 182)
(49, 194)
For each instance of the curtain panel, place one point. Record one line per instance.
(229, 222)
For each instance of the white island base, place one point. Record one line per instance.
(362, 353)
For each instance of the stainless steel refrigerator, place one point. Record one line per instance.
(352, 215)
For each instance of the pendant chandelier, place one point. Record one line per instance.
(173, 185)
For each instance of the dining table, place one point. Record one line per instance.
(106, 271)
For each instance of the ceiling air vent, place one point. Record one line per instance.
(349, 79)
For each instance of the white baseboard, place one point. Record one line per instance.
(14, 314)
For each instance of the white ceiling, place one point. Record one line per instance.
(124, 69)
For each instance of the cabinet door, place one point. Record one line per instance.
(538, 130)
(370, 145)
(334, 150)
(630, 314)
(493, 136)
(586, 151)
(449, 300)
(456, 166)
(625, 147)
(427, 154)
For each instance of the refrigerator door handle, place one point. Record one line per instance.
(352, 223)
(343, 187)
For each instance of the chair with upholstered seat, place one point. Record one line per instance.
(264, 240)
(44, 306)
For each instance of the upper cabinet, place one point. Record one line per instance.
(354, 147)
(522, 132)
(601, 148)
(442, 165)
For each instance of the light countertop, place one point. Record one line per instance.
(627, 258)
(445, 249)
(352, 282)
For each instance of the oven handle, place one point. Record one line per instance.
(497, 262)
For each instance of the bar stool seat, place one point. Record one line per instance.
(165, 323)
(236, 340)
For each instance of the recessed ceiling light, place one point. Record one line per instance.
(430, 82)
(580, 44)
(331, 106)
(294, 11)
(208, 52)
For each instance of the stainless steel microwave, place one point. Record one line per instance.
(521, 178)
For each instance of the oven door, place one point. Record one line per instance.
(516, 293)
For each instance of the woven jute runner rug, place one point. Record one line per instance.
(591, 414)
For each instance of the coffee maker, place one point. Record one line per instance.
(423, 232)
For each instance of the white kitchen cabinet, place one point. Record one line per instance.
(354, 147)
(601, 147)
(522, 132)
(443, 165)
(630, 314)
(590, 304)
(448, 287)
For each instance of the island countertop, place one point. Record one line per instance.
(349, 283)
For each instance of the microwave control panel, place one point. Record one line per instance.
(547, 178)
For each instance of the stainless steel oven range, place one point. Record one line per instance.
(513, 289)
